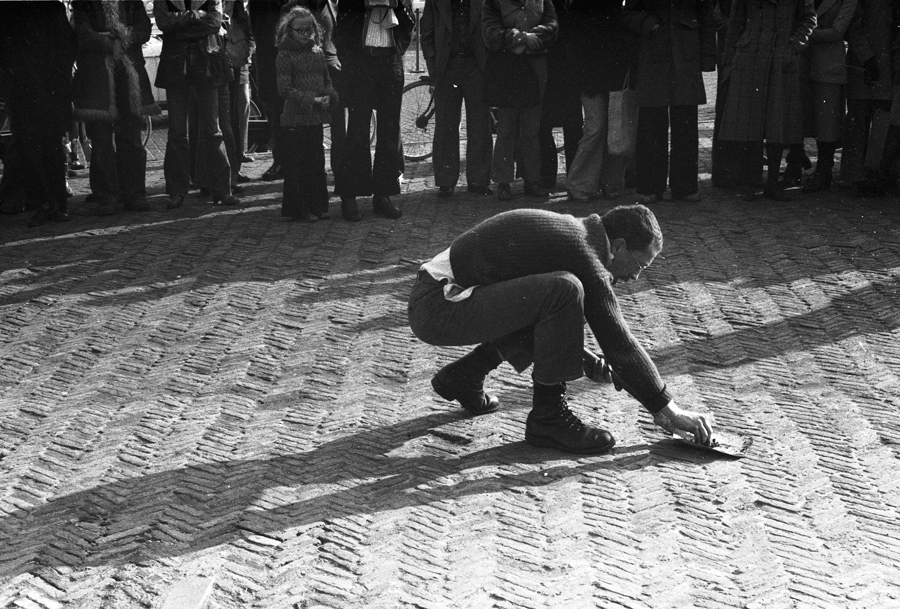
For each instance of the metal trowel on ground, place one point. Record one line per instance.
(723, 443)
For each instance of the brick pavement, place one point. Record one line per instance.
(216, 404)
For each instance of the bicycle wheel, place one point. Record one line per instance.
(147, 131)
(417, 120)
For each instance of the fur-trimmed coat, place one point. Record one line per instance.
(110, 36)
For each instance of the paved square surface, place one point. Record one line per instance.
(215, 407)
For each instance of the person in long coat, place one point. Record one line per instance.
(678, 44)
(37, 51)
(870, 82)
(604, 51)
(113, 97)
(827, 59)
(455, 56)
(761, 84)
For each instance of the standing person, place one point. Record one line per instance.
(827, 57)
(113, 97)
(371, 37)
(520, 285)
(239, 54)
(677, 44)
(325, 12)
(561, 106)
(603, 54)
(37, 52)
(870, 83)
(761, 85)
(455, 56)
(526, 28)
(264, 17)
(192, 61)
(304, 84)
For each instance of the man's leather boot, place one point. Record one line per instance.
(551, 424)
(463, 380)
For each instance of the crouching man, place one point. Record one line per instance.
(520, 285)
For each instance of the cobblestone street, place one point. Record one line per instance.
(216, 408)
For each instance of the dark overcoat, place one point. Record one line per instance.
(827, 52)
(760, 71)
(871, 35)
(604, 49)
(349, 38)
(184, 22)
(102, 59)
(436, 27)
(677, 43)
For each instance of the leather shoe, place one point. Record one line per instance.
(242, 179)
(383, 206)
(226, 200)
(39, 218)
(59, 216)
(446, 191)
(349, 209)
(272, 173)
(236, 190)
(551, 424)
(137, 205)
(504, 192)
(175, 201)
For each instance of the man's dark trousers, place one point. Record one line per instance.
(380, 76)
(462, 81)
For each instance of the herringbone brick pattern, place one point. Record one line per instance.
(221, 394)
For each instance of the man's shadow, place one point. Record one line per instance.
(208, 504)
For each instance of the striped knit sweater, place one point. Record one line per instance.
(530, 241)
(303, 75)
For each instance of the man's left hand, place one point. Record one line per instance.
(674, 420)
(596, 368)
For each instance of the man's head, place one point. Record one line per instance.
(634, 240)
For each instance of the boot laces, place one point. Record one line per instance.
(567, 418)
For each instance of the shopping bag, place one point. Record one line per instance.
(621, 139)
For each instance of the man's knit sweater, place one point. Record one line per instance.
(302, 76)
(529, 242)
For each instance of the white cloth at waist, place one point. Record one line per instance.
(439, 268)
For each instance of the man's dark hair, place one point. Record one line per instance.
(634, 223)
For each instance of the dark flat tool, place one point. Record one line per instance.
(723, 442)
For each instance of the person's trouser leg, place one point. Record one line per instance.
(131, 160)
(479, 143)
(387, 164)
(855, 139)
(684, 156)
(652, 150)
(176, 165)
(546, 310)
(356, 161)
(338, 131)
(503, 163)
(292, 200)
(213, 169)
(584, 176)
(530, 125)
(103, 172)
(227, 129)
(448, 99)
(240, 112)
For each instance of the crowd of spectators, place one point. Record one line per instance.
(787, 70)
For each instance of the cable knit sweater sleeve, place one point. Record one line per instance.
(529, 242)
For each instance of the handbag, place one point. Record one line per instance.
(510, 81)
(621, 139)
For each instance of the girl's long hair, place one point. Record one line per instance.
(298, 12)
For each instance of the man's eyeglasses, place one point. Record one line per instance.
(642, 267)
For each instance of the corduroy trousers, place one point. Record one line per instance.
(536, 319)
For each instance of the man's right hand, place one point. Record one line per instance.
(674, 420)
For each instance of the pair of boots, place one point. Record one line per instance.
(550, 423)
